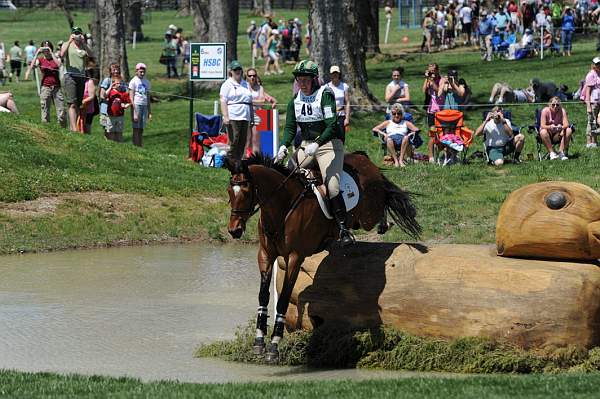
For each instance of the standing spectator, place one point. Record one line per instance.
(236, 108)
(186, 49)
(296, 40)
(341, 91)
(16, 60)
(50, 91)
(74, 53)
(139, 91)
(259, 98)
(527, 14)
(541, 20)
(513, 12)
(170, 54)
(502, 21)
(113, 91)
(434, 103)
(568, 27)
(428, 31)
(397, 90)
(554, 128)
(591, 96)
(30, 50)
(2, 65)
(466, 18)
(273, 45)
(89, 104)
(252, 32)
(452, 90)
(485, 29)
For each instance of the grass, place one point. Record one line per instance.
(456, 205)
(47, 385)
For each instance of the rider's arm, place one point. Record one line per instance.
(330, 118)
(289, 132)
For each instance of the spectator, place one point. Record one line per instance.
(591, 96)
(16, 61)
(502, 21)
(236, 108)
(113, 91)
(485, 29)
(3, 74)
(452, 90)
(554, 128)
(428, 30)
(30, 51)
(466, 18)
(170, 55)
(528, 14)
(7, 103)
(341, 91)
(252, 34)
(526, 43)
(74, 53)
(499, 138)
(541, 20)
(273, 45)
(506, 94)
(139, 91)
(263, 35)
(568, 27)
(397, 90)
(544, 91)
(296, 40)
(259, 98)
(186, 49)
(89, 103)
(50, 91)
(440, 23)
(397, 134)
(513, 12)
(433, 101)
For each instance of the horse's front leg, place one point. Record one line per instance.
(265, 266)
(294, 262)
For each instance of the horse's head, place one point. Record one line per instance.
(242, 196)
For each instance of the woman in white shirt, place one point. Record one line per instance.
(397, 135)
(236, 108)
(341, 91)
(259, 98)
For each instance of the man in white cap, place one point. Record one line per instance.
(139, 91)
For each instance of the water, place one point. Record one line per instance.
(139, 312)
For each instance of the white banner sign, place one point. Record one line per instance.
(208, 61)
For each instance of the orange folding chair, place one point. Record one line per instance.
(450, 136)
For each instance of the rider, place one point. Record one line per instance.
(313, 109)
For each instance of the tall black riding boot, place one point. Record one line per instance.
(339, 213)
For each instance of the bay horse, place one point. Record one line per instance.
(292, 225)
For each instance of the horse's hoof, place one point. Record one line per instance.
(259, 346)
(272, 355)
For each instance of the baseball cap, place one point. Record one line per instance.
(596, 60)
(76, 30)
(275, 32)
(235, 64)
(140, 65)
(334, 68)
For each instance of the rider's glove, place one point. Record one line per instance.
(311, 149)
(282, 153)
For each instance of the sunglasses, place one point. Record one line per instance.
(251, 76)
(554, 105)
(397, 113)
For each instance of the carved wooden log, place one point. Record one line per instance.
(449, 291)
(551, 220)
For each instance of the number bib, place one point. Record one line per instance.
(308, 108)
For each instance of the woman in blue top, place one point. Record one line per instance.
(568, 27)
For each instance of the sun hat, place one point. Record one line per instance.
(140, 65)
(235, 64)
(596, 60)
(334, 68)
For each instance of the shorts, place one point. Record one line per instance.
(273, 55)
(397, 139)
(496, 153)
(15, 66)
(142, 112)
(466, 28)
(73, 89)
(112, 124)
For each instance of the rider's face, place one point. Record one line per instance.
(304, 82)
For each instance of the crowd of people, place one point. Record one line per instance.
(69, 79)
(548, 23)
(176, 52)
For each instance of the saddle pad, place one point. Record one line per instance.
(349, 190)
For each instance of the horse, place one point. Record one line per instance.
(292, 225)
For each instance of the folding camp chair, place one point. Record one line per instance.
(515, 130)
(450, 135)
(207, 133)
(415, 139)
(535, 129)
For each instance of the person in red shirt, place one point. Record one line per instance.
(50, 91)
(114, 92)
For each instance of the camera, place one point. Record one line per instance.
(452, 74)
(429, 74)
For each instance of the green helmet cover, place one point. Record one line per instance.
(306, 67)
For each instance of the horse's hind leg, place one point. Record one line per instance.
(383, 223)
(265, 265)
(291, 274)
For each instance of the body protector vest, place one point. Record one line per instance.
(310, 116)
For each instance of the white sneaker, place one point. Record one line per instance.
(553, 156)
(562, 156)
(591, 145)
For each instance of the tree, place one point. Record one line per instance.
(134, 20)
(370, 25)
(261, 7)
(109, 30)
(185, 8)
(201, 16)
(223, 25)
(332, 23)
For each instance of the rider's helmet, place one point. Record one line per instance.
(306, 68)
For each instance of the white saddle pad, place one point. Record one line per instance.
(349, 190)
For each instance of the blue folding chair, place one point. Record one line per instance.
(208, 125)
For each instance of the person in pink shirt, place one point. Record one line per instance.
(591, 96)
(554, 128)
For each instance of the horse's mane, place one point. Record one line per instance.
(268, 162)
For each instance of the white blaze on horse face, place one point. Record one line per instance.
(236, 190)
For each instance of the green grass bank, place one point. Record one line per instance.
(59, 190)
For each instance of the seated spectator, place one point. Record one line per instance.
(544, 91)
(554, 128)
(525, 43)
(397, 90)
(498, 137)
(502, 93)
(7, 103)
(397, 135)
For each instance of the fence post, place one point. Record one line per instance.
(542, 43)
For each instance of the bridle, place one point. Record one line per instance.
(247, 212)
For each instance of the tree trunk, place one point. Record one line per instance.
(185, 10)
(261, 7)
(200, 15)
(223, 25)
(449, 291)
(133, 16)
(370, 25)
(55, 4)
(110, 35)
(332, 44)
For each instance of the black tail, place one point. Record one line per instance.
(399, 205)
